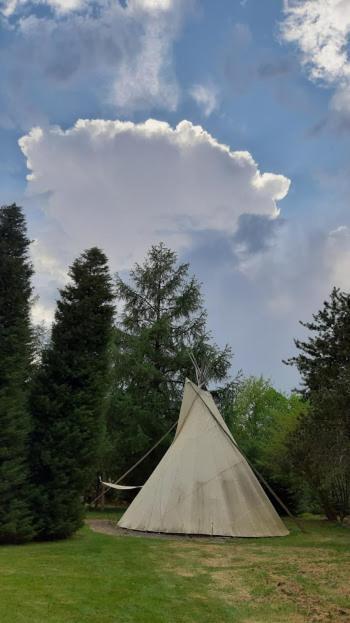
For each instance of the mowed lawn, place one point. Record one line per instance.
(95, 578)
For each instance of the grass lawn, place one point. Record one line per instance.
(95, 578)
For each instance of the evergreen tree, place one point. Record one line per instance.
(15, 368)
(321, 444)
(70, 396)
(163, 321)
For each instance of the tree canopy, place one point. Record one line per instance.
(321, 444)
(162, 322)
(16, 353)
(262, 420)
(69, 397)
(94, 396)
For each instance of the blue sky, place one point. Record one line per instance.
(244, 169)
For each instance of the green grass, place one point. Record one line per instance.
(95, 578)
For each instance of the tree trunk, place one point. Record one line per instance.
(100, 496)
(328, 508)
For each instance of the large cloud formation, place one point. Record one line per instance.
(124, 186)
(120, 54)
(321, 30)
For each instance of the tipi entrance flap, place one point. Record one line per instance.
(203, 485)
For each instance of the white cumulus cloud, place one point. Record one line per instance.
(321, 30)
(124, 186)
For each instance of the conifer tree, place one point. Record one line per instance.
(15, 369)
(163, 321)
(321, 444)
(69, 397)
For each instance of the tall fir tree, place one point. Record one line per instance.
(321, 443)
(70, 396)
(163, 321)
(16, 352)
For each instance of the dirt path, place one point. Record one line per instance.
(104, 526)
(107, 526)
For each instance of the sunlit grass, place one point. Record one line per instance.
(94, 578)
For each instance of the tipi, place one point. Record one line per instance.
(203, 484)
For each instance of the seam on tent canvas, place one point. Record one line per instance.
(257, 473)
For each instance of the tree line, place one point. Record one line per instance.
(107, 384)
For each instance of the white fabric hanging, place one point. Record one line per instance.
(120, 487)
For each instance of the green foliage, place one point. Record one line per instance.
(322, 441)
(16, 351)
(162, 321)
(320, 460)
(70, 397)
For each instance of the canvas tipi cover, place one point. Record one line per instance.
(203, 485)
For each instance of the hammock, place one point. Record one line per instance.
(120, 487)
